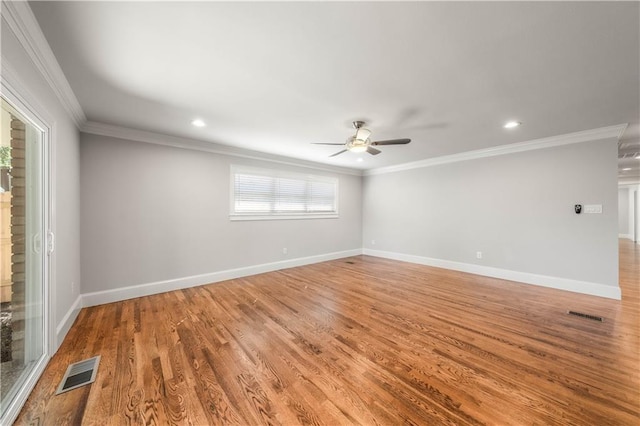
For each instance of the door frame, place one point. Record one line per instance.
(635, 212)
(22, 100)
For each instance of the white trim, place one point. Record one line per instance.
(20, 398)
(14, 90)
(570, 138)
(66, 322)
(20, 18)
(120, 132)
(141, 290)
(283, 216)
(583, 287)
(116, 295)
(16, 94)
(627, 236)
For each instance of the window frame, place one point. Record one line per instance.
(276, 173)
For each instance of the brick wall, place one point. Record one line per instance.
(18, 230)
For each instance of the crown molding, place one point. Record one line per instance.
(550, 142)
(20, 19)
(120, 132)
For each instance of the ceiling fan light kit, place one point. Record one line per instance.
(361, 141)
(356, 146)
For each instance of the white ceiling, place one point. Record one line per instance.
(275, 77)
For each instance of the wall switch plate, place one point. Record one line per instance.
(593, 208)
(478, 255)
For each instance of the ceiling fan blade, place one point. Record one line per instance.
(338, 153)
(392, 142)
(323, 143)
(373, 151)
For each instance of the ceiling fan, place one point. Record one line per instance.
(360, 142)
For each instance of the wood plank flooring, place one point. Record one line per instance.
(361, 340)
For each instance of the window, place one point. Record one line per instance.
(24, 254)
(272, 194)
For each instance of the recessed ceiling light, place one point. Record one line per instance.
(638, 157)
(198, 123)
(511, 124)
(626, 169)
(359, 160)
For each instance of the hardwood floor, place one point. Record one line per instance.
(355, 341)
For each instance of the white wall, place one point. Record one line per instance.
(65, 262)
(624, 230)
(517, 209)
(627, 211)
(634, 197)
(154, 213)
(634, 213)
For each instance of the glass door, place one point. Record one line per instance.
(22, 256)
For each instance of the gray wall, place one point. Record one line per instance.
(153, 213)
(65, 262)
(623, 212)
(517, 209)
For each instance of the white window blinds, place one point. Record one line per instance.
(269, 194)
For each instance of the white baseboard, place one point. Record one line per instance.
(65, 324)
(116, 295)
(627, 236)
(584, 287)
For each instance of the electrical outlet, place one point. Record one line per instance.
(73, 287)
(373, 242)
(478, 255)
(284, 250)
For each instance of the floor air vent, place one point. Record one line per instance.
(587, 316)
(79, 374)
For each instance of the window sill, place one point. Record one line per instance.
(282, 217)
